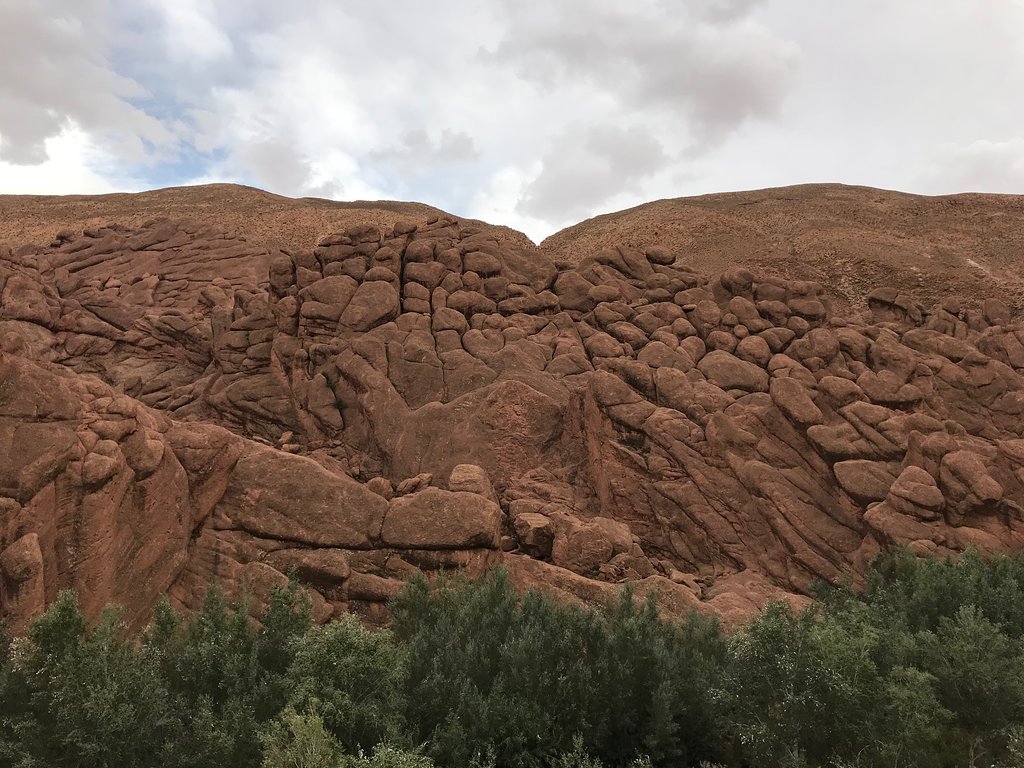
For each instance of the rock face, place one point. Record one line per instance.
(179, 406)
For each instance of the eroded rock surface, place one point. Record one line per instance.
(179, 406)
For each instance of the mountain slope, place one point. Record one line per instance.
(851, 239)
(182, 403)
(265, 219)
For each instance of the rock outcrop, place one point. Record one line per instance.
(179, 406)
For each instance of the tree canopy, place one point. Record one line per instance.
(925, 667)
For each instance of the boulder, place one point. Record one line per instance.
(372, 304)
(470, 478)
(535, 534)
(729, 372)
(437, 519)
(866, 481)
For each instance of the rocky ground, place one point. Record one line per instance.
(196, 398)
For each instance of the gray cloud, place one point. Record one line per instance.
(200, 90)
(693, 73)
(54, 69)
(418, 152)
(717, 10)
(274, 164)
(585, 166)
(707, 65)
(524, 113)
(981, 166)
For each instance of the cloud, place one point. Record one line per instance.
(584, 166)
(418, 152)
(708, 65)
(292, 126)
(692, 74)
(69, 166)
(388, 113)
(55, 73)
(981, 166)
(574, 105)
(528, 114)
(721, 10)
(192, 31)
(276, 164)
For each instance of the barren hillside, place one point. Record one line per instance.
(851, 239)
(264, 219)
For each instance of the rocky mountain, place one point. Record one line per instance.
(218, 384)
(268, 221)
(850, 239)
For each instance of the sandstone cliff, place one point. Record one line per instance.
(183, 402)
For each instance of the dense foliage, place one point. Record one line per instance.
(925, 668)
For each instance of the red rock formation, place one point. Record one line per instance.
(179, 406)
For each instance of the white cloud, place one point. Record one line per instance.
(585, 166)
(525, 113)
(981, 166)
(54, 67)
(709, 66)
(418, 152)
(68, 169)
(192, 32)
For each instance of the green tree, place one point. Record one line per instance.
(979, 675)
(912, 722)
(577, 757)
(227, 675)
(388, 756)
(918, 593)
(294, 740)
(522, 676)
(89, 698)
(803, 688)
(354, 677)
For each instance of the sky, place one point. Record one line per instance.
(535, 114)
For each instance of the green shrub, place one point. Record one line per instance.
(907, 591)
(75, 696)
(388, 756)
(226, 676)
(577, 757)
(296, 740)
